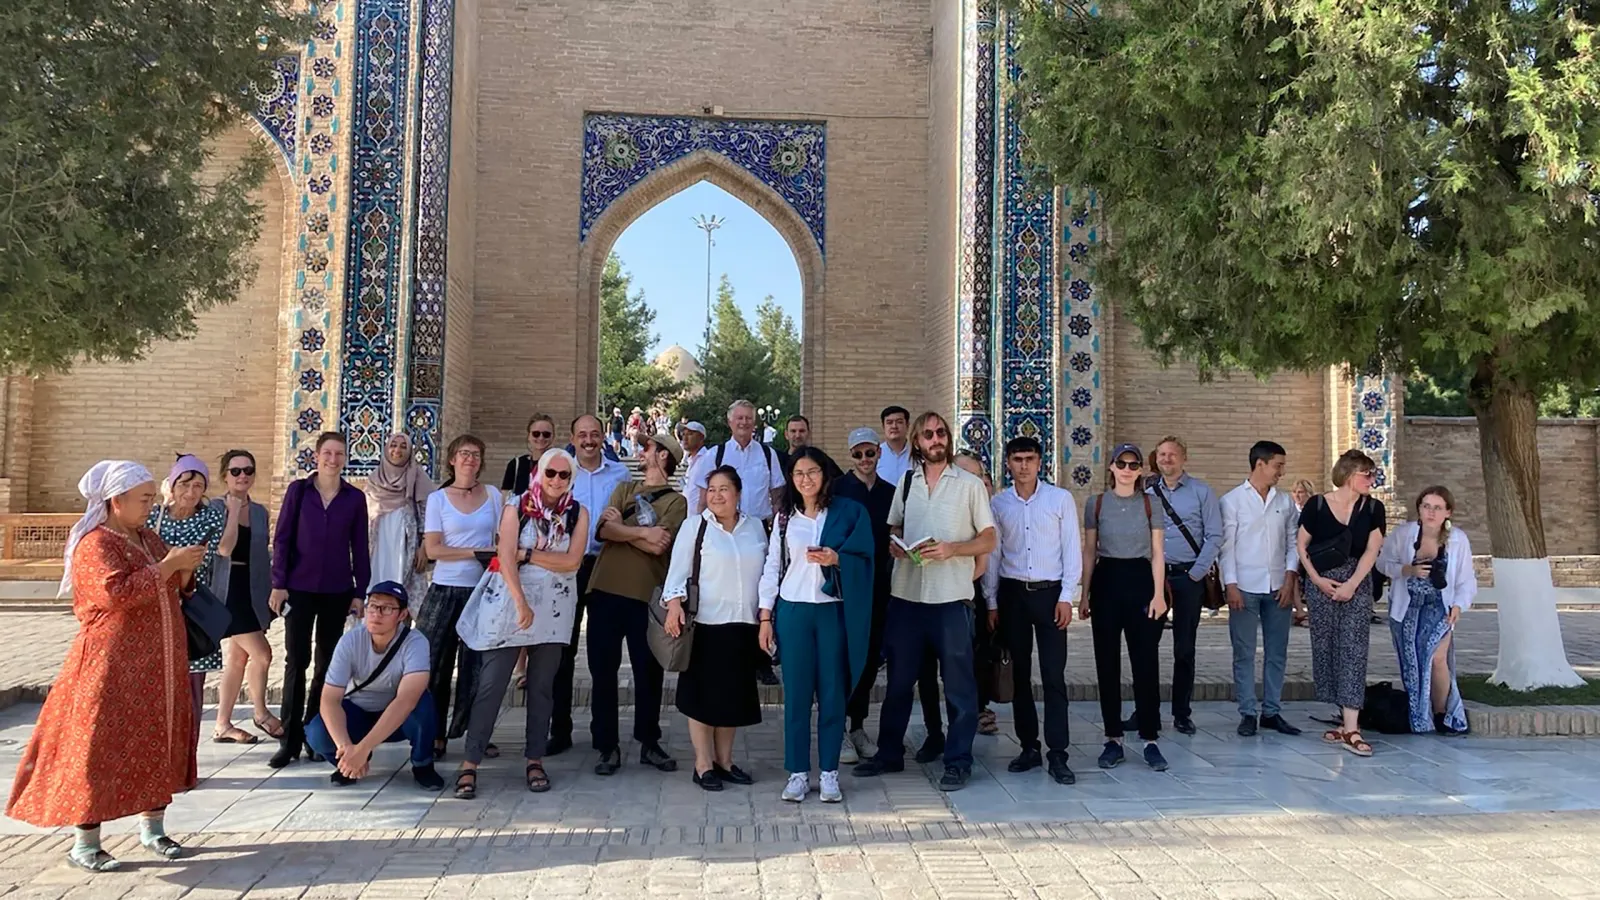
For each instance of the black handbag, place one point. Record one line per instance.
(206, 619)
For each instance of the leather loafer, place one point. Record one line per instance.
(1059, 770)
(1027, 759)
(1183, 724)
(1276, 723)
(709, 781)
(732, 774)
(1247, 726)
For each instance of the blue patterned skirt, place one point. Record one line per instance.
(1416, 638)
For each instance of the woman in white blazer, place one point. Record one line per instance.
(1432, 582)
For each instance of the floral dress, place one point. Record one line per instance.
(203, 526)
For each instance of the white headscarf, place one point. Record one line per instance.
(106, 479)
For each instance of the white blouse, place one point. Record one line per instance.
(730, 568)
(803, 582)
(1461, 582)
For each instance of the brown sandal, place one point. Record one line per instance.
(233, 734)
(270, 726)
(986, 722)
(1355, 743)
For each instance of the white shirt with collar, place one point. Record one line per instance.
(1038, 540)
(758, 473)
(593, 489)
(731, 564)
(1399, 549)
(691, 493)
(892, 466)
(1258, 539)
(803, 582)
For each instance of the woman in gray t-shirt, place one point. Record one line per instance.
(1122, 566)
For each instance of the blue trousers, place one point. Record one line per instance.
(419, 728)
(811, 638)
(911, 630)
(1263, 611)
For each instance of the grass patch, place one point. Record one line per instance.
(1478, 688)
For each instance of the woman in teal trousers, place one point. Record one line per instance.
(816, 603)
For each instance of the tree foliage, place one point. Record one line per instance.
(762, 366)
(628, 375)
(1444, 392)
(1304, 183)
(776, 331)
(110, 236)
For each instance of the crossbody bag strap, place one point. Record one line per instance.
(693, 597)
(394, 650)
(1173, 514)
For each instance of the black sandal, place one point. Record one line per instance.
(538, 781)
(465, 789)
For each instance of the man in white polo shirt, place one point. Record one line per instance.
(943, 516)
(758, 465)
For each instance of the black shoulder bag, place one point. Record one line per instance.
(394, 650)
(1213, 580)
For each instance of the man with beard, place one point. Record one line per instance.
(592, 485)
(941, 514)
(797, 432)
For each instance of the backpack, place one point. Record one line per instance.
(1100, 499)
(1386, 709)
(723, 448)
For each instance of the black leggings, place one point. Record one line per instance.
(1119, 602)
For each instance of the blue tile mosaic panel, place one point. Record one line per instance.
(1372, 406)
(1081, 435)
(276, 103)
(620, 150)
(975, 242)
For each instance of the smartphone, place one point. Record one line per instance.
(815, 549)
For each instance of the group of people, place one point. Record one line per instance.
(905, 560)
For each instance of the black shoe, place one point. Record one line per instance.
(732, 774)
(1027, 759)
(874, 767)
(1154, 759)
(561, 743)
(427, 777)
(710, 781)
(1247, 726)
(1131, 724)
(1111, 756)
(653, 755)
(1276, 723)
(283, 757)
(313, 755)
(1183, 724)
(340, 779)
(931, 749)
(1059, 769)
(767, 677)
(610, 762)
(954, 779)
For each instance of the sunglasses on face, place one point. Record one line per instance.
(864, 454)
(1126, 464)
(931, 433)
(557, 474)
(236, 471)
(542, 434)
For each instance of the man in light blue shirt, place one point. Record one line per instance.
(1191, 551)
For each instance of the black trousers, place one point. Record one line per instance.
(1119, 600)
(614, 621)
(1187, 597)
(1029, 617)
(561, 715)
(322, 615)
(861, 697)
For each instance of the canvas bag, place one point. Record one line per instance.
(673, 653)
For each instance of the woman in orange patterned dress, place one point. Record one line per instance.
(113, 737)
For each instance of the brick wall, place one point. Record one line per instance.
(203, 396)
(1218, 420)
(1445, 451)
(944, 192)
(863, 67)
(461, 250)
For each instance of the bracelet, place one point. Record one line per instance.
(764, 619)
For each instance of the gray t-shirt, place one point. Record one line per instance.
(354, 659)
(1123, 531)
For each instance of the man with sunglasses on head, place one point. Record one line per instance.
(941, 512)
(377, 693)
(876, 495)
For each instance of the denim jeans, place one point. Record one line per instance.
(418, 729)
(910, 631)
(1260, 611)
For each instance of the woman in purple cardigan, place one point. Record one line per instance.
(320, 569)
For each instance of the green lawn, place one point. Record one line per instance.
(1478, 688)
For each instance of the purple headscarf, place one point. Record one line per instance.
(187, 462)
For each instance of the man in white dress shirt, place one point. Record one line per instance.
(693, 437)
(1259, 565)
(758, 464)
(894, 454)
(1035, 571)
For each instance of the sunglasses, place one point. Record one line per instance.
(541, 434)
(236, 471)
(558, 474)
(1125, 464)
(930, 433)
(864, 454)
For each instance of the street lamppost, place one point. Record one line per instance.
(769, 416)
(708, 224)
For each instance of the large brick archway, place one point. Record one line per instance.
(608, 209)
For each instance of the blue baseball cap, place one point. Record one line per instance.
(1124, 449)
(391, 589)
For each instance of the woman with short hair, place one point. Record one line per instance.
(243, 578)
(1338, 543)
(1429, 563)
(1302, 491)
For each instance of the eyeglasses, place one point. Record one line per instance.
(469, 454)
(864, 454)
(807, 474)
(383, 609)
(236, 471)
(1125, 464)
(558, 474)
(931, 433)
(541, 434)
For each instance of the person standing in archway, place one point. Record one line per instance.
(758, 465)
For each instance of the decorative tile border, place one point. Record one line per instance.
(975, 242)
(277, 102)
(425, 357)
(620, 150)
(377, 228)
(1372, 406)
(319, 264)
(1083, 390)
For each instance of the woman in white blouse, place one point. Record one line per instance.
(1430, 567)
(722, 551)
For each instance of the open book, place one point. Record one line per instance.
(914, 549)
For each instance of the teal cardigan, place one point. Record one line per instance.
(848, 530)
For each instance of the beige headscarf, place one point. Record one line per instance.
(394, 487)
(104, 480)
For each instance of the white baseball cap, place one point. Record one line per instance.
(695, 426)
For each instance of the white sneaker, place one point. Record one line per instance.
(830, 787)
(799, 785)
(847, 753)
(865, 748)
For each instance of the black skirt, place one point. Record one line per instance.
(240, 604)
(719, 689)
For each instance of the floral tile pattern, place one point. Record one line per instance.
(277, 101)
(1372, 403)
(975, 244)
(1082, 415)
